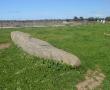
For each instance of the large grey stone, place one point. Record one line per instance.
(43, 49)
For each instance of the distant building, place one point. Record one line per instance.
(101, 21)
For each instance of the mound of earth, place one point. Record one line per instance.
(43, 49)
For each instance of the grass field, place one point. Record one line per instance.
(20, 71)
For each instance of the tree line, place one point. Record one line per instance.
(88, 19)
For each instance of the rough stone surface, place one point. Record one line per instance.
(43, 49)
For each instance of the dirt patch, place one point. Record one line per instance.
(4, 45)
(93, 80)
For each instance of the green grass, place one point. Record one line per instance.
(20, 71)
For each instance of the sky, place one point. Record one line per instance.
(52, 9)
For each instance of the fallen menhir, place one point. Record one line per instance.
(43, 49)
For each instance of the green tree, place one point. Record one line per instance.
(81, 18)
(107, 18)
(76, 18)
